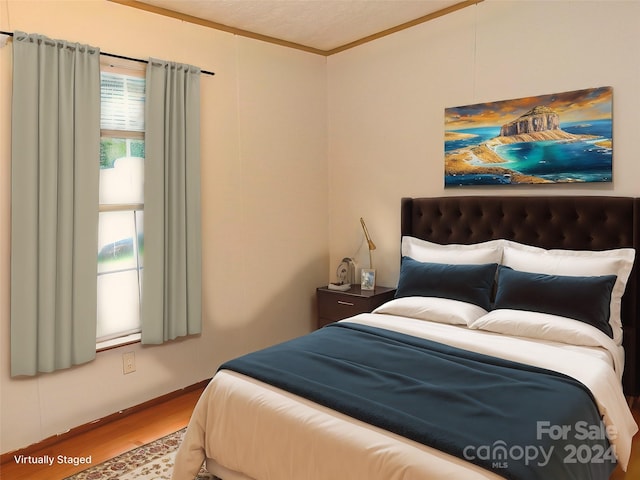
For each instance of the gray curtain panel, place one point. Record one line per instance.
(54, 203)
(171, 288)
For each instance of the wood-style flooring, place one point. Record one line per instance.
(633, 471)
(109, 440)
(121, 435)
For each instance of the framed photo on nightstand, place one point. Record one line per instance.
(368, 279)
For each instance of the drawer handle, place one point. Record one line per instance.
(349, 304)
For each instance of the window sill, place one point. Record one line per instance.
(118, 342)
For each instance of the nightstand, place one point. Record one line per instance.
(334, 305)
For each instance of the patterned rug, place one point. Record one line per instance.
(153, 461)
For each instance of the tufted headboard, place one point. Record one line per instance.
(566, 222)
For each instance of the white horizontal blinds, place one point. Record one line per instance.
(122, 102)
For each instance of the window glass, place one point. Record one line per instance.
(118, 305)
(121, 174)
(119, 236)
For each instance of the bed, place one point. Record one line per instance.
(264, 416)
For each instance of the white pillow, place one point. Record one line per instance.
(440, 310)
(542, 326)
(453, 254)
(580, 263)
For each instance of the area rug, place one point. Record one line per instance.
(153, 461)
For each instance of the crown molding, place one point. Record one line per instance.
(277, 41)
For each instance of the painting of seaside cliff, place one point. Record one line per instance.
(559, 138)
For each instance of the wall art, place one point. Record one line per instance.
(558, 138)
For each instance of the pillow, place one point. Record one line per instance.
(440, 310)
(542, 326)
(586, 299)
(466, 283)
(453, 254)
(618, 262)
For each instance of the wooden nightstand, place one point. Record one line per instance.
(334, 305)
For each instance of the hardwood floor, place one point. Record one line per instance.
(121, 435)
(109, 440)
(633, 471)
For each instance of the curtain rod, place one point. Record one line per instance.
(113, 55)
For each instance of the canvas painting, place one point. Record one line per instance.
(558, 138)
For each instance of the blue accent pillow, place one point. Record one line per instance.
(586, 299)
(465, 283)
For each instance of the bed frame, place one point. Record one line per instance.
(566, 222)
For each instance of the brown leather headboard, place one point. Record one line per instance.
(567, 222)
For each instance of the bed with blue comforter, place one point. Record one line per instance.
(497, 358)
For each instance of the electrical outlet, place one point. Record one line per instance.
(128, 362)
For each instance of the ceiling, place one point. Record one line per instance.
(320, 26)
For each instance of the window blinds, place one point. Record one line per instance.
(122, 102)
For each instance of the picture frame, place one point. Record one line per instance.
(368, 279)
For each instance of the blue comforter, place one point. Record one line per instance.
(519, 421)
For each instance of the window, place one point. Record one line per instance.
(121, 213)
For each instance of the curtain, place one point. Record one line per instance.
(54, 203)
(171, 287)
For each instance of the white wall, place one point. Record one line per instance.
(387, 101)
(264, 196)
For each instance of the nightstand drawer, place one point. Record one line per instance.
(334, 305)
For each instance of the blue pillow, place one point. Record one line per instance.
(586, 299)
(466, 283)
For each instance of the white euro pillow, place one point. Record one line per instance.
(454, 253)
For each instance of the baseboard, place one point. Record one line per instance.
(48, 442)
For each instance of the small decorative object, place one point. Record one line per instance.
(368, 281)
(345, 274)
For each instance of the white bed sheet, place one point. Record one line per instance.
(249, 430)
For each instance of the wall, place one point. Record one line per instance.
(387, 101)
(264, 196)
